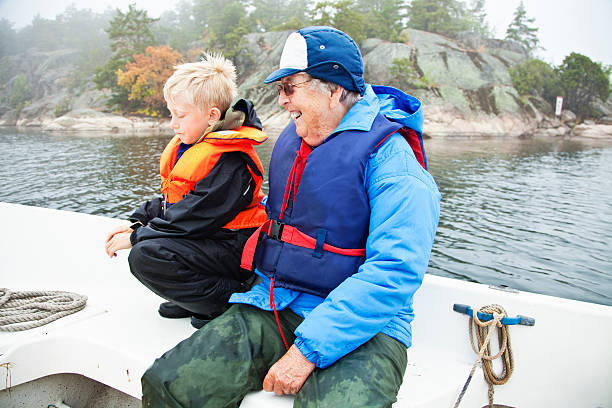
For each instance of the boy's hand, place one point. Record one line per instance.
(118, 238)
(117, 230)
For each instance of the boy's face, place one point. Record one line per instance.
(188, 122)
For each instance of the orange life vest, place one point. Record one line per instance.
(179, 178)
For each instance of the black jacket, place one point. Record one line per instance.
(214, 201)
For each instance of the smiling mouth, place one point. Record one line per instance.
(296, 115)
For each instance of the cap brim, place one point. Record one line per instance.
(280, 74)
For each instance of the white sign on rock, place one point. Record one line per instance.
(559, 106)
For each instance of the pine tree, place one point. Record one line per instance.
(583, 82)
(479, 18)
(520, 30)
(224, 24)
(446, 17)
(130, 33)
(383, 18)
(343, 15)
(8, 37)
(178, 27)
(269, 14)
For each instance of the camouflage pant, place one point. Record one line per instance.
(220, 363)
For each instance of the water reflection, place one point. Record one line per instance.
(532, 214)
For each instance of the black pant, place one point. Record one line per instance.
(198, 275)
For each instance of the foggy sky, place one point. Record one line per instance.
(564, 25)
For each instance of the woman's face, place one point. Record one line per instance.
(309, 108)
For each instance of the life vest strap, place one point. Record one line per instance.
(291, 235)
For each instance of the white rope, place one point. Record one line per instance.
(27, 310)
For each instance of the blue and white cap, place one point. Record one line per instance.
(325, 53)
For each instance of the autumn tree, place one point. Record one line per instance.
(143, 79)
(583, 82)
(521, 31)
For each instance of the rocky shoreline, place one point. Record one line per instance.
(439, 122)
(92, 120)
(464, 85)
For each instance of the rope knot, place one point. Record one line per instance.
(484, 332)
(497, 317)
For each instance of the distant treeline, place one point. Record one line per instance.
(132, 54)
(222, 23)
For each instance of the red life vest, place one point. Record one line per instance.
(179, 178)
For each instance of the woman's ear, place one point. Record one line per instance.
(335, 97)
(214, 114)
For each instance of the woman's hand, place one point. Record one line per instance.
(289, 373)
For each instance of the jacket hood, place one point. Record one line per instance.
(242, 113)
(250, 116)
(398, 106)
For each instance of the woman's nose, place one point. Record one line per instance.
(282, 98)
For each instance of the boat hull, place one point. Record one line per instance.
(565, 360)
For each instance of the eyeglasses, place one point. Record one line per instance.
(288, 88)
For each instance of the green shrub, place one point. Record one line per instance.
(536, 78)
(21, 93)
(62, 108)
(404, 75)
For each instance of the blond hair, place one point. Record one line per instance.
(210, 82)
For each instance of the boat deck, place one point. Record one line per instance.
(565, 360)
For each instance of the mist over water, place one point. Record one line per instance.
(531, 214)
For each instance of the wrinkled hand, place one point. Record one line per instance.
(118, 238)
(289, 373)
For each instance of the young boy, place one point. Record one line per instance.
(186, 245)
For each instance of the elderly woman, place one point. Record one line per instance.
(352, 215)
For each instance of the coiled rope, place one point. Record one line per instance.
(484, 331)
(27, 310)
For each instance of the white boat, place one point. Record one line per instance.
(564, 360)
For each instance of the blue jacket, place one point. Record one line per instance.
(405, 208)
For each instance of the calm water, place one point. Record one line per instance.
(534, 215)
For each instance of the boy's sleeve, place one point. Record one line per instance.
(147, 211)
(214, 201)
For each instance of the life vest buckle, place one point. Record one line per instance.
(276, 229)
